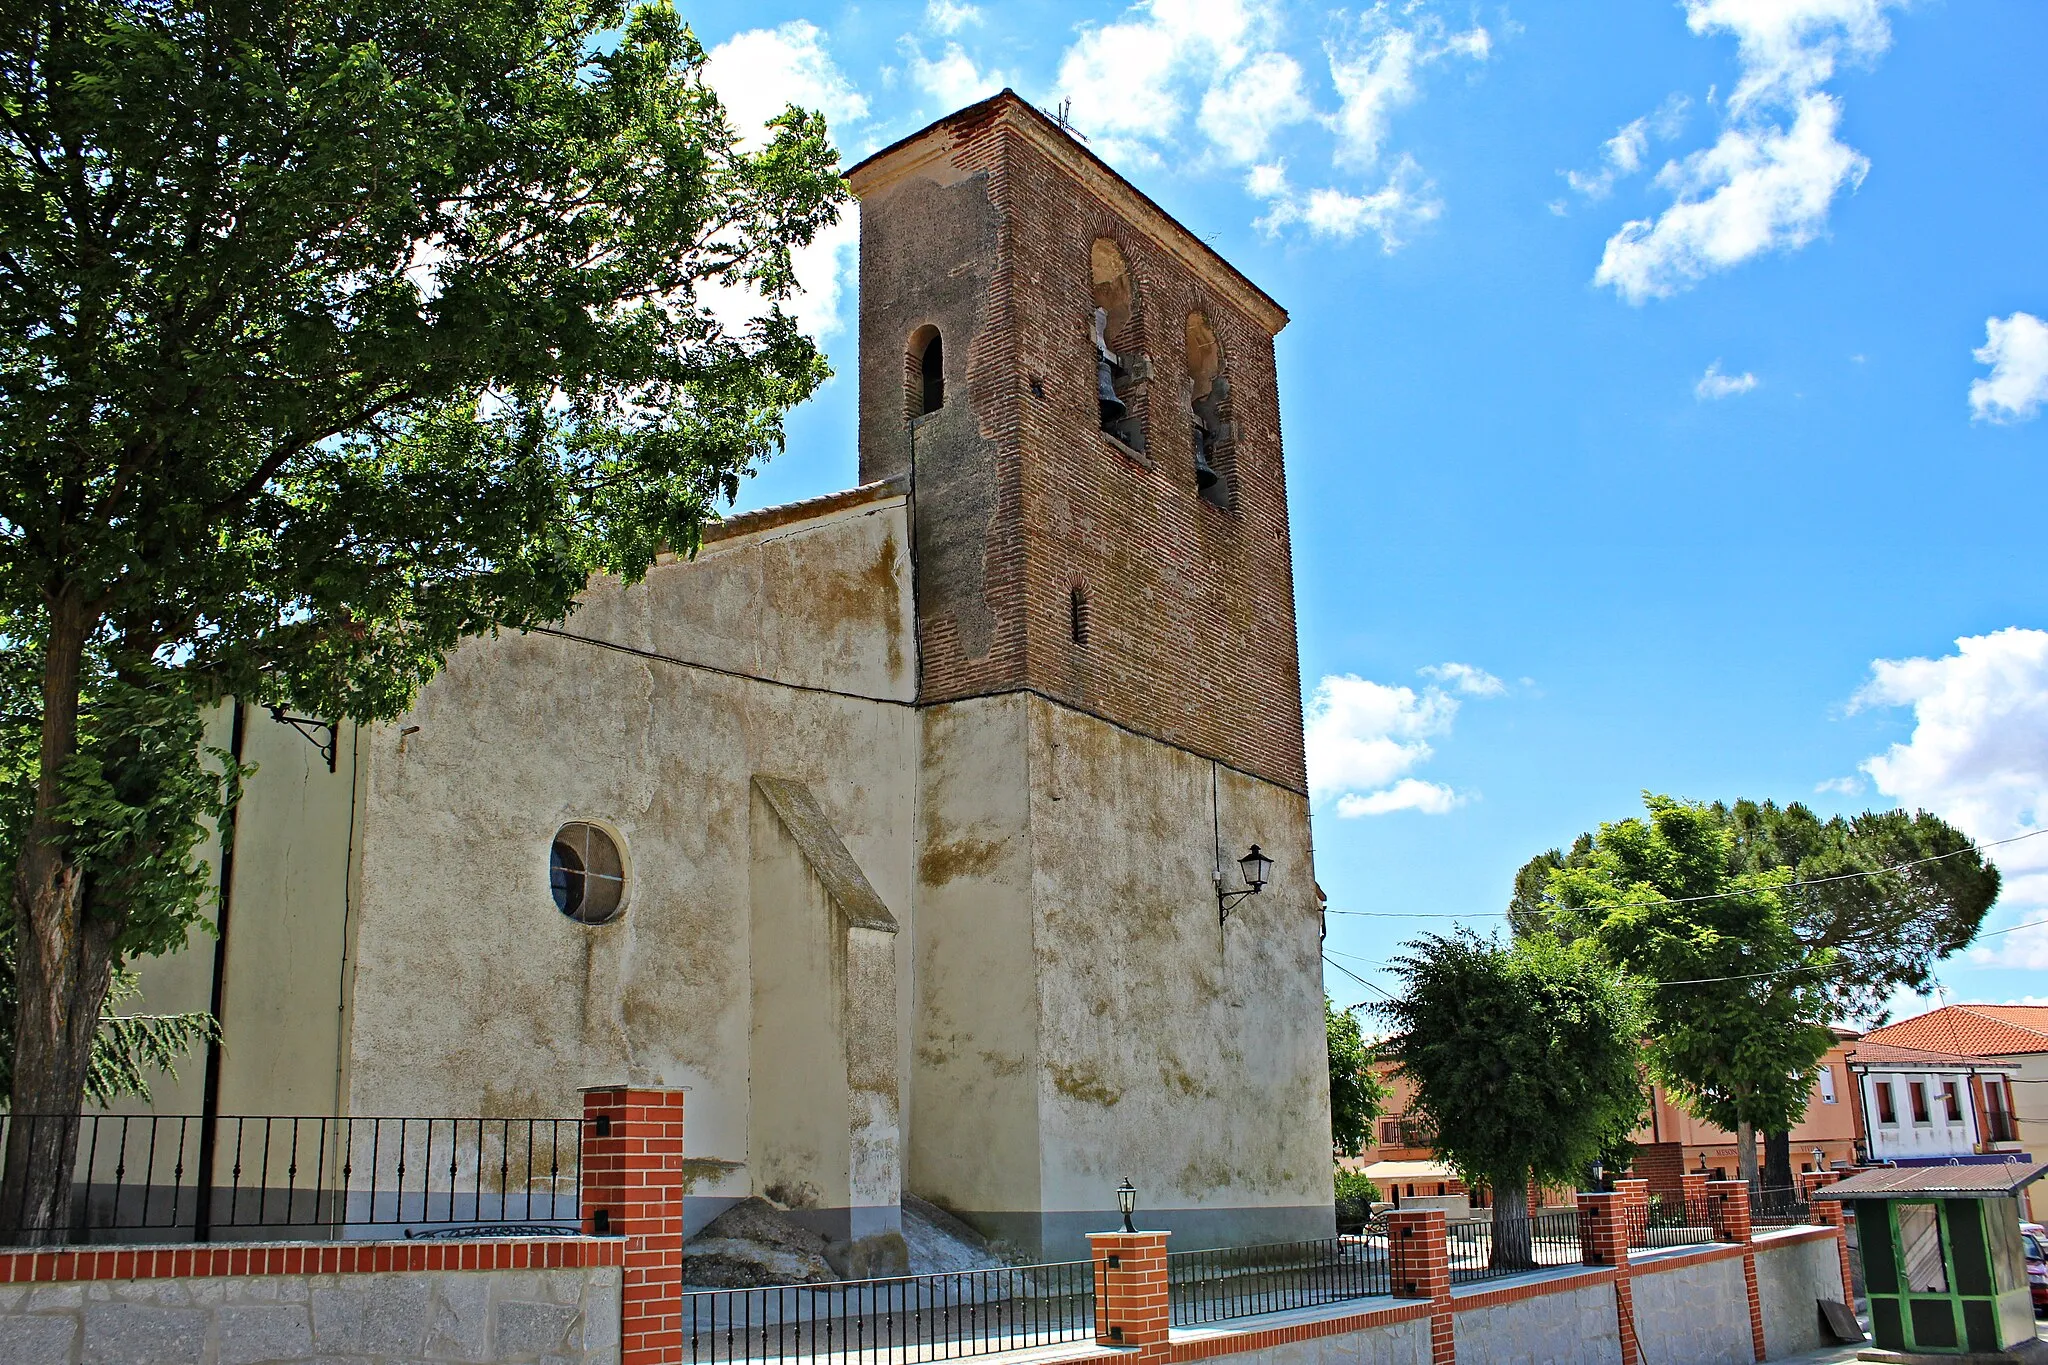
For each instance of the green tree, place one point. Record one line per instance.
(333, 332)
(1887, 893)
(1737, 1001)
(1357, 1095)
(1887, 923)
(1525, 1057)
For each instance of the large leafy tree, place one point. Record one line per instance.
(1525, 1057)
(1738, 1003)
(1889, 894)
(334, 331)
(1357, 1094)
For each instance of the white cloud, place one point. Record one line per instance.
(758, 74)
(1377, 68)
(1789, 47)
(950, 16)
(1755, 190)
(1715, 384)
(1392, 212)
(1206, 82)
(1623, 154)
(1410, 793)
(1465, 678)
(953, 79)
(1365, 740)
(1840, 786)
(1763, 185)
(2016, 349)
(763, 71)
(1978, 757)
(1242, 112)
(1131, 81)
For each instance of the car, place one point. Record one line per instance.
(2035, 1239)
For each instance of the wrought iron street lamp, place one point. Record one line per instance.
(1257, 869)
(1127, 1203)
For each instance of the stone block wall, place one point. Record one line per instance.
(1697, 1313)
(480, 1317)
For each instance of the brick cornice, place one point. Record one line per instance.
(309, 1258)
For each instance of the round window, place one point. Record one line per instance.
(585, 873)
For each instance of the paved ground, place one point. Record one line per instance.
(1833, 1353)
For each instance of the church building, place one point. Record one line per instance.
(903, 825)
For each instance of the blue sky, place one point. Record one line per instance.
(1662, 398)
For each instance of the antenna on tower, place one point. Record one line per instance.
(1064, 117)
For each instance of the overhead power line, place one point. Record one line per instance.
(1688, 981)
(1716, 895)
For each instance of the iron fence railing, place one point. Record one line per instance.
(1242, 1282)
(161, 1178)
(894, 1321)
(1667, 1222)
(1778, 1208)
(1475, 1254)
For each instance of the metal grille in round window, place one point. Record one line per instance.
(586, 874)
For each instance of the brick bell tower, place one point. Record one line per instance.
(1082, 397)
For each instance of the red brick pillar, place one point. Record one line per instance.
(1132, 1307)
(1635, 1198)
(1693, 1189)
(1603, 1228)
(632, 1187)
(1728, 1210)
(1604, 1222)
(1829, 1213)
(1419, 1258)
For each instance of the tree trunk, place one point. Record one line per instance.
(1511, 1250)
(63, 966)
(1778, 1161)
(1745, 1153)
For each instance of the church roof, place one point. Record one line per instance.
(1972, 1030)
(1065, 147)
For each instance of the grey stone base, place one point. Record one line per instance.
(1064, 1236)
(491, 1317)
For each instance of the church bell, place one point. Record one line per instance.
(1113, 409)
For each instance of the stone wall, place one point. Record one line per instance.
(1578, 1324)
(1790, 1282)
(1698, 1313)
(484, 1317)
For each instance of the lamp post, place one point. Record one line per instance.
(1256, 868)
(1599, 1176)
(1127, 1202)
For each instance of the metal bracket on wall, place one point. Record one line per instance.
(313, 730)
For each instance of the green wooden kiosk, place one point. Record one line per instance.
(1942, 1260)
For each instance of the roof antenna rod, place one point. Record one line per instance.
(1064, 117)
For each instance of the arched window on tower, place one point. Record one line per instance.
(1212, 436)
(1117, 333)
(925, 372)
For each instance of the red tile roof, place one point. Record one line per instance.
(1973, 1030)
(1868, 1053)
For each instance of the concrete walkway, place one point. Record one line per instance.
(1834, 1353)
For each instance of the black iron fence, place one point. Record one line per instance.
(1666, 1222)
(894, 1321)
(1778, 1208)
(1241, 1282)
(166, 1178)
(1545, 1239)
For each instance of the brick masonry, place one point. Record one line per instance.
(1022, 501)
(633, 1189)
(1132, 1306)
